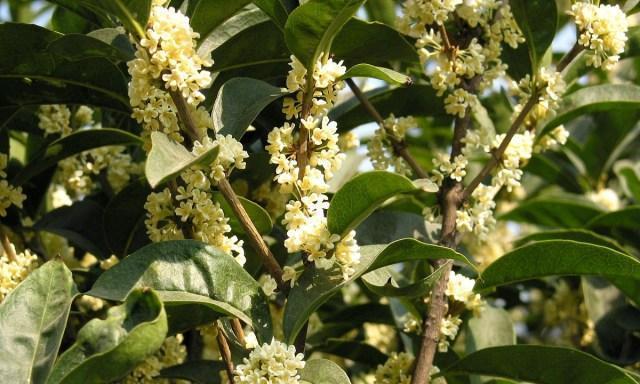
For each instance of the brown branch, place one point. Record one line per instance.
(568, 58)
(303, 150)
(399, 147)
(499, 152)
(236, 325)
(256, 241)
(6, 245)
(225, 352)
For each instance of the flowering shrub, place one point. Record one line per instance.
(319, 191)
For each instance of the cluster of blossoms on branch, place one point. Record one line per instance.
(171, 353)
(380, 147)
(9, 194)
(306, 154)
(398, 370)
(603, 31)
(80, 175)
(275, 362)
(167, 62)
(453, 69)
(15, 268)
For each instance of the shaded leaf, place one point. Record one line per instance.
(32, 320)
(239, 102)
(629, 176)
(123, 219)
(167, 159)
(382, 283)
(258, 215)
(581, 235)
(206, 15)
(105, 350)
(539, 364)
(196, 371)
(538, 31)
(554, 211)
(132, 13)
(189, 272)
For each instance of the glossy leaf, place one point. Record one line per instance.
(258, 215)
(105, 350)
(167, 159)
(239, 102)
(538, 31)
(359, 197)
(276, 11)
(206, 15)
(603, 97)
(626, 218)
(73, 144)
(316, 286)
(32, 321)
(581, 235)
(321, 371)
(132, 13)
(381, 282)
(558, 258)
(540, 365)
(371, 71)
(312, 27)
(189, 272)
(554, 211)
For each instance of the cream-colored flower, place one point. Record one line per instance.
(275, 363)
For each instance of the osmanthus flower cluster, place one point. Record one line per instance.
(380, 146)
(79, 174)
(452, 68)
(14, 269)
(172, 352)
(603, 32)
(315, 138)
(166, 61)
(9, 194)
(274, 363)
(398, 369)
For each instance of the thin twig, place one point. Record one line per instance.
(499, 152)
(568, 58)
(225, 352)
(399, 147)
(7, 246)
(236, 325)
(256, 241)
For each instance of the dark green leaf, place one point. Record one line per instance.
(32, 320)
(190, 272)
(559, 211)
(353, 350)
(321, 371)
(382, 283)
(603, 97)
(276, 11)
(239, 102)
(581, 235)
(209, 14)
(359, 197)
(380, 73)
(80, 223)
(71, 145)
(538, 31)
(123, 219)
(167, 159)
(311, 28)
(258, 215)
(539, 364)
(105, 350)
(412, 250)
(115, 38)
(558, 258)
(196, 371)
(626, 218)
(132, 13)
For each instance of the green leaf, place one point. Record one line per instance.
(316, 286)
(353, 350)
(417, 100)
(311, 28)
(258, 215)
(196, 371)
(382, 10)
(360, 196)
(580, 235)
(321, 371)
(492, 328)
(359, 41)
(380, 73)
(604, 97)
(539, 364)
(239, 102)
(132, 13)
(538, 31)
(167, 159)
(626, 218)
(209, 14)
(558, 258)
(629, 176)
(554, 211)
(73, 144)
(123, 219)
(80, 223)
(36, 70)
(276, 11)
(105, 350)
(118, 40)
(32, 321)
(382, 283)
(189, 272)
